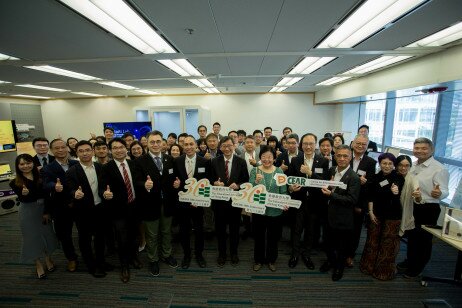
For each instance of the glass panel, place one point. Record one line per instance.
(375, 116)
(192, 121)
(167, 122)
(454, 141)
(455, 174)
(414, 117)
(142, 116)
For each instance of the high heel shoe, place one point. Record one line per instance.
(41, 272)
(50, 265)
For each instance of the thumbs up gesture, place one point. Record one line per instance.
(208, 155)
(394, 189)
(148, 184)
(258, 177)
(306, 170)
(252, 161)
(58, 186)
(218, 183)
(25, 191)
(284, 166)
(417, 195)
(79, 193)
(436, 192)
(107, 194)
(176, 183)
(278, 152)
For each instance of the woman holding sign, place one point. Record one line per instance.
(382, 243)
(267, 227)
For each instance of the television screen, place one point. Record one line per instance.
(138, 129)
(7, 136)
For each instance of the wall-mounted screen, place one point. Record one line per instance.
(7, 136)
(138, 129)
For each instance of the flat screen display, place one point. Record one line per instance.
(138, 129)
(7, 136)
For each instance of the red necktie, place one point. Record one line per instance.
(128, 185)
(226, 170)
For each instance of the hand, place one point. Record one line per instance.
(252, 161)
(328, 157)
(148, 184)
(394, 189)
(258, 178)
(218, 183)
(363, 179)
(58, 186)
(25, 191)
(107, 194)
(326, 191)
(46, 219)
(208, 155)
(193, 206)
(306, 170)
(286, 208)
(373, 217)
(436, 192)
(416, 194)
(284, 166)
(234, 186)
(92, 135)
(79, 193)
(295, 187)
(39, 168)
(176, 183)
(358, 210)
(278, 152)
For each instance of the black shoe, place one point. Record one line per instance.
(171, 261)
(201, 261)
(293, 262)
(108, 267)
(99, 273)
(186, 262)
(325, 267)
(234, 260)
(411, 275)
(209, 235)
(154, 268)
(337, 275)
(308, 263)
(221, 261)
(245, 235)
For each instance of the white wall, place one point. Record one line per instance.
(79, 117)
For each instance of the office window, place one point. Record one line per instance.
(375, 116)
(454, 141)
(414, 117)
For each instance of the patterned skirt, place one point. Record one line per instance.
(381, 249)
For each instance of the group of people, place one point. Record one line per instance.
(122, 194)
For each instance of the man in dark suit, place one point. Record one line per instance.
(364, 130)
(285, 158)
(326, 145)
(340, 212)
(119, 174)
(364, 166)
(312, 166)
(231, 171)
(191, 165)
(216, 127)
(58, 202)
(84, 182)
(156, 198)
(41, 147)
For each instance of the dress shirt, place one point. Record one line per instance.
(292, 156)
(64, 166)
(192, 162)
(118, 163)
(339, 175)
(248, 156)
(92, 178)
(428, 174)
(153, 156)
(356, 162)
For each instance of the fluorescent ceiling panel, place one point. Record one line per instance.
(4, 57)
(332, 81)
(288, 81)
(370, 17)
(376, 64)
(310, 64)
(277, 89)
(117, 85)
(441, 38)
(148, 92)
(87, 94)
(31, 96)
(41, 88)
(62, 72)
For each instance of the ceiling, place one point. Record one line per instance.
(241, 46)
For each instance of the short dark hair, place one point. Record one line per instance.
(178, 146)
(340, 136)
(40, 139)
(99, 144)
(364, 126)
(173, 135)
(225, 139)
(256, 132)
(134, 143)
(328, 135)
(155, 133)
(326, 139)
(117, 139)
(201, 126)
(250, 137)
(387, 155)
(241, 132)
(344, 147)
(216, 123)
(127, 134)
(267, 148)
(184, 135)
(285, 128)
(273, 139)
(232, 131)
(401, 158)
(293, 136)
(67, 141)
(211, 135)
(267, 128)
(56, 140)
(108, 127)
(82, 143)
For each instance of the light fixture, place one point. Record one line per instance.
(4, 57)
(41, 88)
(288, 81)
(148, 92)
(62, 72)
(310, 64)
(121, 20)
(210, 90)
(332, 81)
(117, 85)
(277, 89)
(2, 81)
(87, 94)
(441, 38)
(376, 64)
(370, 17)
(31, 96)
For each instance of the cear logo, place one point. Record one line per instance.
(281, 179)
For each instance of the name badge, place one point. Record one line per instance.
(361, 172)
(201, 170)
(383, 183)
(170, 171)
(318, 170)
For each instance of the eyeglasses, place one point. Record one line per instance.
(308, 144)
(118, 148)
(227, 146)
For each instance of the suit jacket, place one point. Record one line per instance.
(310, 196)
(371, 147)
(366, 164)
(37, 163)
(284, 156)
(201, 171)
(118, 206)
(162, 193)
(239, 175)
(55, 201)
(340, 208)
(76, 177)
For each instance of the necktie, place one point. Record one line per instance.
(44, 161)
(158, 163)
(128, 185)
(190, 169)
(226, 170)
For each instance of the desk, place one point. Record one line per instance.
(457, 280)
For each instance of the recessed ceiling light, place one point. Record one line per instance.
(376, 64)
(87, 94)
(332, 81)
(117, 85)
(62, 72)
(31, 96)
(4, 57)
(148, 92)
(441, 38)
(41, 88)
(277, 89)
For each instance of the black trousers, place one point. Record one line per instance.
(126, 231)
(188, 218)
(337, 244)
(266, 233)
(306, 219)
(226, 215)
(64, 217)
(353, 241)
(419, 244)
(91, 225)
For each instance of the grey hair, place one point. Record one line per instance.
(424, 140)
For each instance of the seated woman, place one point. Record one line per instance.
(382, 243)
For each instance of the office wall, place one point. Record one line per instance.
(79, 117)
